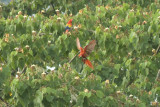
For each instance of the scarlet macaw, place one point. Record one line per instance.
(68, 26)
(84, 52)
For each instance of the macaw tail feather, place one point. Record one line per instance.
(88, 63)
(67, 31)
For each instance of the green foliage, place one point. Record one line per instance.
(126, 57)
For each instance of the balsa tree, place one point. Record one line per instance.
(125, 58)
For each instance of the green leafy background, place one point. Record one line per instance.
(126, 57)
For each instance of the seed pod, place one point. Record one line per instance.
(57, 11)
(0, 8)
(7, 35)
(154, 51)
(130, 96)
(154, 103)
(150, 93)
(20, 13)
(27, 46)
(86, 90)
(138, 101)
(43, 75)
(76, 28)
(18, 73)
(119, 26)
(59, 19)
(76, 78)
(106, 29)
(118, 92)
(129, 53)
(20, 50)
(116, 27)
(106, 82)
(42, 11)
(144, 22)
(33, 33)
(107, 7)
(117, 37)
(32, 67)
(16, 49)
(70, 15)
(16, 16)
(79, 26)
(60, 76)
(132, 10)
(6, 39)
(80, 11)
(1, 68)
(49, 42)
(71, 101)
(25, 16)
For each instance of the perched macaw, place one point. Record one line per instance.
(84, 52)
(68, 26)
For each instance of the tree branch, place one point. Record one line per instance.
(4, 101)
(82, 68)
(24, 69)
(158, 76)
(73, 58)
(157, 49)
(41, 34)
(53, 8)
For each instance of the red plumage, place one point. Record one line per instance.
(70, 21)
(68, 26)
(88, 63)
(86, 51)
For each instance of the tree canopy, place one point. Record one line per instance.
(126, 57)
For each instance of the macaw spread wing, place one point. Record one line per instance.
(78, 43)
(89, 48)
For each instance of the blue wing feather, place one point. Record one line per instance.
(67, 28)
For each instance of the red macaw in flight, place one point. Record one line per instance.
(84, 52)
(68, 26)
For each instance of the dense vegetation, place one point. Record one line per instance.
(126, 58)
